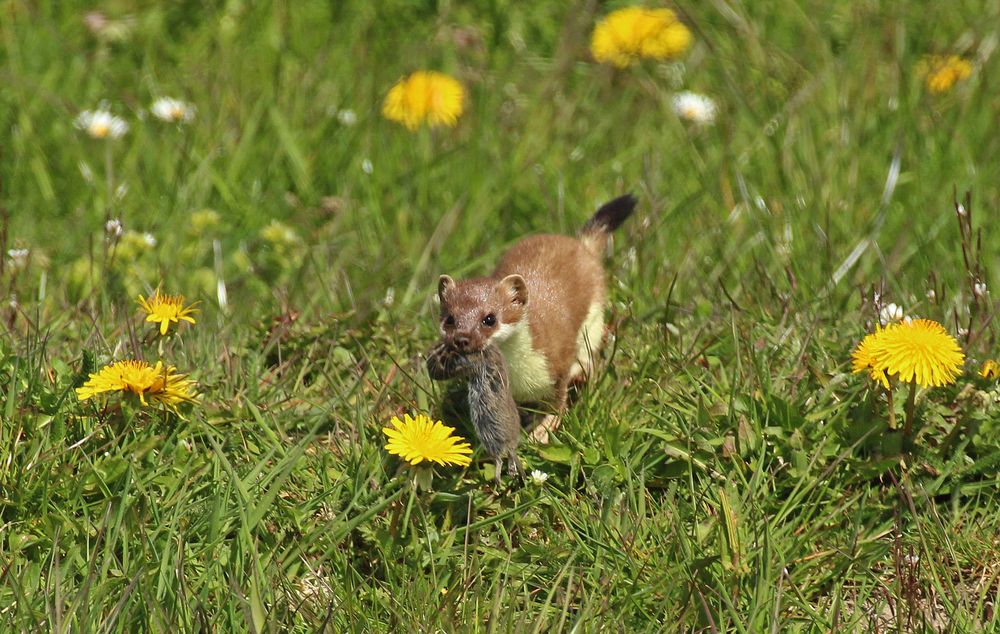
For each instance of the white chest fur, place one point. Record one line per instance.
(530, 380)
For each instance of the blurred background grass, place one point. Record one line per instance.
(739, 292)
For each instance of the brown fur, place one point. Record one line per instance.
(469, 302)
(563, 280)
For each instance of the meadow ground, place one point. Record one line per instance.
(724, 470)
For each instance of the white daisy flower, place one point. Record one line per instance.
(695, 108)
(172, 110)
(101, 124)
(539, 477)
(149, 239)
(890, 313)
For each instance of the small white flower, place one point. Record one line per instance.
(113, 228)
(539, 477)
(347, 117)
(979, 289)
(890, 313)
(149, 239)
(18, 257)
(390, 296)
(911, 560)
(367, 167)
(101, 124)
(961, 210)
(121, 191)
(931, 295)
(172, 110)
(695, 108)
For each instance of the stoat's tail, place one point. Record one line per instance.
(609, 217)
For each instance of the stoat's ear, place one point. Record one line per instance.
(515, 289)
(445, 286)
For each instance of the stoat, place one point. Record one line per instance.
(543, 308)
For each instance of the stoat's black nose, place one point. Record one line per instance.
(462, 342)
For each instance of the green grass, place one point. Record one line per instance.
(723, 471)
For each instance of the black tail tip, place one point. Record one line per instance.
(612, 214)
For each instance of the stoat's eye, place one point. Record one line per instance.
(449, 320)
(490, 320)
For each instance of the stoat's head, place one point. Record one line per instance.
(474, 312)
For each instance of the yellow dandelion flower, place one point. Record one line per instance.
(990, 369)
(418, 438)
(161, 385)
(864, 358)
(166, 309)
(425, 96)
(919, 350)
(627, 35)
(942, 72)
